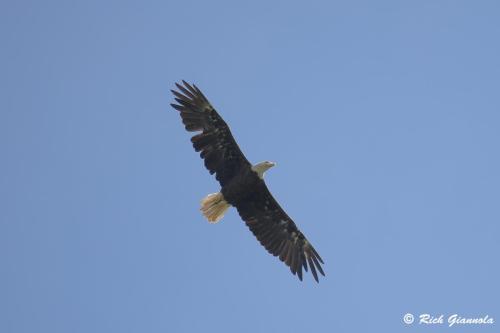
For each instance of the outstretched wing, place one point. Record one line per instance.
(276, 231)
(215, 142)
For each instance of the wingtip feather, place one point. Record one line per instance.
(177, 107)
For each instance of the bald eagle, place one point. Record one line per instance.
(242, 184)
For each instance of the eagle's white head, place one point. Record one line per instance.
(262, 167)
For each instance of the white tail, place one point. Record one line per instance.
(213, 207)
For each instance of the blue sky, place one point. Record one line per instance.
(383, 118)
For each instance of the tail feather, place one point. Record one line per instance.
(214, 206)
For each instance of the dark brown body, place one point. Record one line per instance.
(241, 186)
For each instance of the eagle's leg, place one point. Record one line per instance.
(214, 206)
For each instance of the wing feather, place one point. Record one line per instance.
(184, 90)
(284, 251)
(277, 232)
(313, 269)
(215, 143)
(293, 260)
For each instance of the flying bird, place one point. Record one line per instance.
(242, 184)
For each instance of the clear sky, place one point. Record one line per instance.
(383, 118)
